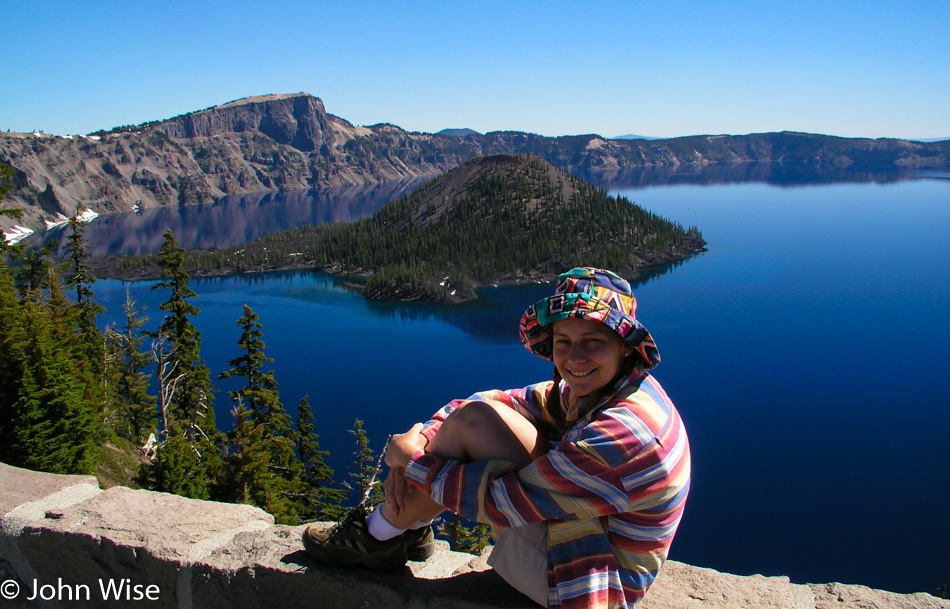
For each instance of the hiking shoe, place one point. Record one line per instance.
(349, 544)
(420, 543)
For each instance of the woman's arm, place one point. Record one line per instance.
(527, 402)
(606, 469)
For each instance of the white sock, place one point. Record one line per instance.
(380, 528)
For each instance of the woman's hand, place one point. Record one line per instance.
(404, 445)
(400, 451)
(396, 489)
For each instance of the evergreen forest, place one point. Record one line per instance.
(136, 407)
(500, 218)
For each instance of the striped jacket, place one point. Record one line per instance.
(612, 490)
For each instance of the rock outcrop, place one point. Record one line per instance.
(285, 142)
(71, 544)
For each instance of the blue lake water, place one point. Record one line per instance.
(806, 351)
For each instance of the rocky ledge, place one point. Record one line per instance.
(68, 543)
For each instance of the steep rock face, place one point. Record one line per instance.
(299, 121)
(283, 142)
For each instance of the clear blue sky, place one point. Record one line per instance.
(665, 68)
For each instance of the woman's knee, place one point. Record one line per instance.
(489, 430)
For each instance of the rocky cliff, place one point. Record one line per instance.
(69, 544)
(282, 142)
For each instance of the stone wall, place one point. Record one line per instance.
(68, 543)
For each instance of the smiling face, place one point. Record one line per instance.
(587, 354)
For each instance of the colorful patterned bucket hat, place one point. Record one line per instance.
(595, 295)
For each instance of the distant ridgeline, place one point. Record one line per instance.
(290, 142)
(492, 219)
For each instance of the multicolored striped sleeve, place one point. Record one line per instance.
(525, 401)
(574, 479)
(612, 491)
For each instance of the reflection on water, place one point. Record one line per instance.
(234, 219)
(772, 345)
(491, 317)
(776, 174)
(239, 219)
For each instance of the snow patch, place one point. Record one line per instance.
(87, 216)
(59, 221)
(16, 234)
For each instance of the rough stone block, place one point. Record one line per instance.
(137, 537)
(835, 596)
(270, 568)
(19, 486)
(684, 586)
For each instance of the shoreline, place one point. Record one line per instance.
(106, 268)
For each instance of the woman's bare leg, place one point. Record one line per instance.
(479, 431)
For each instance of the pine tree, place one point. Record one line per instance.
(80, 277)
(88, 345)
(11, 358)
(247, 462)
(53, 427)
(179, 468)
(365, 481)
(11, 369)
(274, 491)
(317, 499)
(33, 271)
(260, 390)
(191, 444)
(184, 338)
(463, 538)
(47, 419)
(135, 407)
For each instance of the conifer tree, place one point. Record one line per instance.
(33, 271)
(183, 336)
(88, 344)
(273, 490)
(11, 359)
(318, 500)
(191, 442)
(463, 538)
(54, 427)
(47, 421)
(11, 372)
(247, 474)
(135, 406)
(80, 277)
(178, 468)
(260, 389)
(365, 481)
(80, 274)
(6, 182)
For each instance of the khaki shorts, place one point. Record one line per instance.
(520, 556)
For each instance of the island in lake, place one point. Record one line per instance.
(290, 142)
(492, 219)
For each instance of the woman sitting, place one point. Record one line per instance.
(583, 479)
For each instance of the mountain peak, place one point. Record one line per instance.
(298, 120)
(259, 99)
(458, 132)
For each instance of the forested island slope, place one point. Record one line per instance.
(288, 142)
(500, 218)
